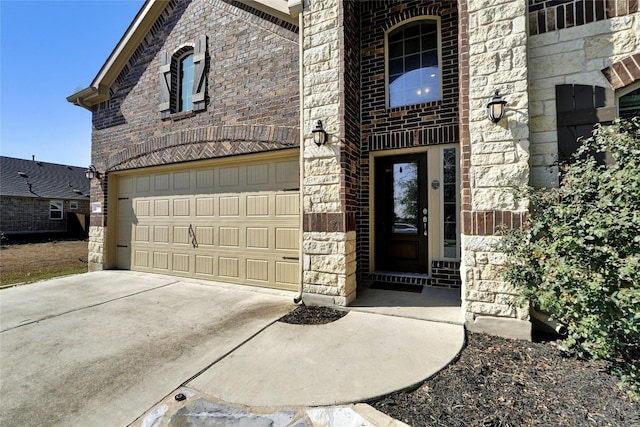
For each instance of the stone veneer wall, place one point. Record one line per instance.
(329, 231)
(495, 161)
(575, 55)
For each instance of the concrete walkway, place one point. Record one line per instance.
(119, 346)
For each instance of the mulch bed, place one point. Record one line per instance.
(502, 382)
(309, 315)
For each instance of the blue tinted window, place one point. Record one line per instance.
(414, 72)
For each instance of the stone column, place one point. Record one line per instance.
(495, 162)
(329, 247)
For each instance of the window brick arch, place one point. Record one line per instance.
(624, 72)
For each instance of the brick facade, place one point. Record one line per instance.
(551, 15)
(251, 100)
(403, 127)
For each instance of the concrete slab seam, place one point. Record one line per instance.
(52, 316)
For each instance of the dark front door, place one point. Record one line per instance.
(401, 213)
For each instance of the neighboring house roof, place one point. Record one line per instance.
(33, 178)
(98, 91)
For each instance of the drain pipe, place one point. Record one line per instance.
(298, 297)
(548, 324)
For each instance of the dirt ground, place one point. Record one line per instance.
(501, 382)
(30, 261)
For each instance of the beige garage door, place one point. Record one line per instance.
(231, 222)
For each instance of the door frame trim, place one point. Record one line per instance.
(433, 201)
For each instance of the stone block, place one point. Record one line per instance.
(502, 327)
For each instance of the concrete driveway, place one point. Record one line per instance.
(101, 348)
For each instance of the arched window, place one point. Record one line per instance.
(413, 63)
(185, 82)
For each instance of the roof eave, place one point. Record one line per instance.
(98, 91)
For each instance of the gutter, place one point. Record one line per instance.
(296, 6)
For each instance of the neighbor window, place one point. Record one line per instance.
(56, 209)
(73, 205)
(413, 67)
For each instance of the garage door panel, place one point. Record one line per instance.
(161, 182)
(258, 269)
(286, 272)
(257, 237)
(287, 204)
(229, 177)
(180, 262)
(181, 235)
(230, 206)
(257, 205)
(257, 174)
(235, 223)
(141, 258)
(205, 206)
(228, 237)
(181, 207)
(204, 179)
(287, 238)
(204, 235)
(228, 267)
(205, 265)
(181, 180)
(160, 234)
(141, 233)
(161, 260)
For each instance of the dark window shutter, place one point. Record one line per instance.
(165, 85)
(199, 77)
(578, 109)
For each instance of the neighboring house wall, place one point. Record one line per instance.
(251, 100)
(23, 215)
(573, 52)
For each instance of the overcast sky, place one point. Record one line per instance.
(50, 49)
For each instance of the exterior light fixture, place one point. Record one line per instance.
(319, 135)
(92, 172)
(495, 108)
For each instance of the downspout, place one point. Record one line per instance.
(298, 297)
(547, 324)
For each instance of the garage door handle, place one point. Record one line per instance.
(192, 234)
(122, 246)
(291, 258)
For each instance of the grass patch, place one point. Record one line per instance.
(31, 262)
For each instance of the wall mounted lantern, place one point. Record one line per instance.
(495, 108)
(92, 172)
(319, 135)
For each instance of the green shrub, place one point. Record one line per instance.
(579, 257)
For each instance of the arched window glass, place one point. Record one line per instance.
(186, 83)
(413, 65)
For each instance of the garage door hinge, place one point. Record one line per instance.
(291, 258)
